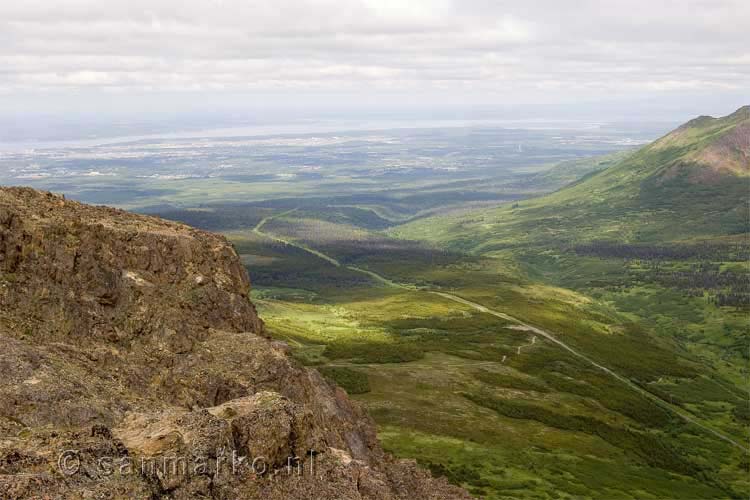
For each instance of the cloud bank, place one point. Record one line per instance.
(435, 51)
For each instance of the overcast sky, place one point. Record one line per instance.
(152, 55)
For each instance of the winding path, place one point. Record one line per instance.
(527, 327)
(648, 395)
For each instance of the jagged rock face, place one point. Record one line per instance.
(132, 341)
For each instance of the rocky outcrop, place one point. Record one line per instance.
(134, 366)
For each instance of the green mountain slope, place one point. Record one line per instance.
(661, 237)
(692, 183)
(415, 329)
(571, 171)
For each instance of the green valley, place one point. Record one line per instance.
(606, 265)
(375, 250)
(573, 325)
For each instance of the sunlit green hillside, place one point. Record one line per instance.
(692, 183)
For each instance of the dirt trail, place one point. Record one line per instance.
(664, 404)
(263, 221)
(321, 255)
(527, 327)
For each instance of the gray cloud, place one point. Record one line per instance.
(480, 50)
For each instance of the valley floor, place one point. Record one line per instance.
(448, 369)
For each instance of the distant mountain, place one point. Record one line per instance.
(692, 183)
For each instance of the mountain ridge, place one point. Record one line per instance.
(699, 172)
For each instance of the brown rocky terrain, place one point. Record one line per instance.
(710, 148)
(130, 343)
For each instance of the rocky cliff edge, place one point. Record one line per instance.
(133, 365)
